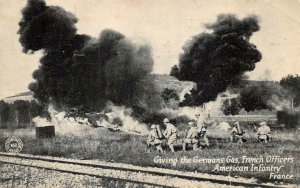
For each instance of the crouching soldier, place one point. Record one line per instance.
(170, 134)
(237, 133)
(191, 137)
(202, 131)
(154, 139)
(263, 132)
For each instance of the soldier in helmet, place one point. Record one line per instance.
(202, 128)
(170, 133)
(202, 131)
(191, 137)
(154, 139)
(263, 132)
(198, 119)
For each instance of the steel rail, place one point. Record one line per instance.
(150, 171)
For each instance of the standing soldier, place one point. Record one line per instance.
(263, 132)
(198, 119)
(170, 133)
(154, 139)
(191, 137)
(202, 128)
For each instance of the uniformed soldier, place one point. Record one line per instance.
(197, 118)
(191, 137)
(263, 132)
(237, 133)
(154, 139)
(170, 133)
(202, 129)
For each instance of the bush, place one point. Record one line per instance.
(289, 119)
(231, 107)
(292, 83)
(168, 94)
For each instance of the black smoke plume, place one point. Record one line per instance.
(217, 59)
(78, 70)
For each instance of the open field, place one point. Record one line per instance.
(120, 147)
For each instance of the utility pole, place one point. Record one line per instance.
(17, 117)
(30, 119)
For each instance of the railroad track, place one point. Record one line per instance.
(126, 172)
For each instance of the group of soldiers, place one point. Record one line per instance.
(262, 134)
(197, 132)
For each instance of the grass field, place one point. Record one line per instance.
(120, 147)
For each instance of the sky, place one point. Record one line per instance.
(164, 24)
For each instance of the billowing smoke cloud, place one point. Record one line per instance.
(78, 70)
(214, 60)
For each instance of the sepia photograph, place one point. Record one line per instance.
(149, 93)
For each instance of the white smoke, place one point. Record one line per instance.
(130, 125)
(212, 108)
(41, 122)
(81, 126)
(223, 126)
(279, 103)
(63, 125)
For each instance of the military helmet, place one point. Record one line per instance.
(166, 120)
(263, 123)
(191, 124)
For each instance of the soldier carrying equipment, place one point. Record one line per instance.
(170, 133)
(237, 133)
(154, 137)
(191, 137)
(202, 128)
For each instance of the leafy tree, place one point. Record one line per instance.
(255, 98)
(290, 119)
(168, 94)
(263, 95)
(21, 111)
(36, 109)
(4, 111)
(174, 71)
(292, 83)
(231, 106)
(190, 99)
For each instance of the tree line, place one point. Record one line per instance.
(19, 113)
(266, 95)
